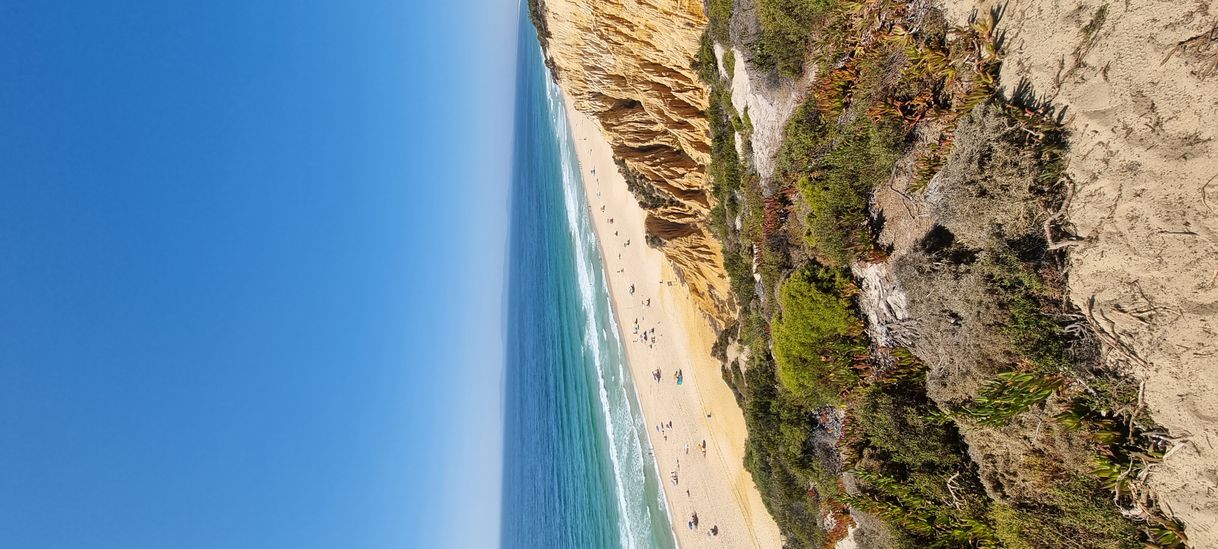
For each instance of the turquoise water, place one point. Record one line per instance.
(577, 472)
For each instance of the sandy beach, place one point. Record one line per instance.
(701, 408)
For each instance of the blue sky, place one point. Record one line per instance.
(251, 260)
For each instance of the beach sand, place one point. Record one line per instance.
(702, 408)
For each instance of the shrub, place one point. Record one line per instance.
(719, 12)
(776, 471)
(704, 63)
(1011, 394)
(838, 186)
(787, 30)
(923, 485)
(886, 415)
(1076, 511)
(725, 168)
(817, 335)
(1035, 334)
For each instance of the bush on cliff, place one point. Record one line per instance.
(778, 473)
(835, 169)
(787, 31)
(817, 335)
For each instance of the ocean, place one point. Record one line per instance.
(577, 472)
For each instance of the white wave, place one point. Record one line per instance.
(623, 423)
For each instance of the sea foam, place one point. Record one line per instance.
(623, 420)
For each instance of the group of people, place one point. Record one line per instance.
(678, 375)
(692, 524)
(648, 336)
(663, 428)
(701, 447)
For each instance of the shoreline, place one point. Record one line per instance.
(715, 486)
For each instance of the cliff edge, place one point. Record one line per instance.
(628, 65)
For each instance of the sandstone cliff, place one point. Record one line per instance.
(627, 63)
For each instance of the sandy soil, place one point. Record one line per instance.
(768, 101)
(715, 486)
(1138, 82)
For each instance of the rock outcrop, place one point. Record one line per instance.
(627, 63)
(765, 95)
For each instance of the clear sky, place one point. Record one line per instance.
(251, 262)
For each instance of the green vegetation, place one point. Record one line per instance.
(1011, 394)
(788, 28)
(913, 468)
(644, 191)
(1035, 333)
(778, 456)
(729, 64)
(819, 399)
(818, 336)
(1021, 266)
(704, 63)
(719, 12)
(927, 489)
(1076, 511)
(727, 174)
(842, 167)
(725, 169)
(1127, 444)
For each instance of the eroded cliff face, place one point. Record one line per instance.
(627, 63)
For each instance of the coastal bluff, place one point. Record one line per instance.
(627, 64)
